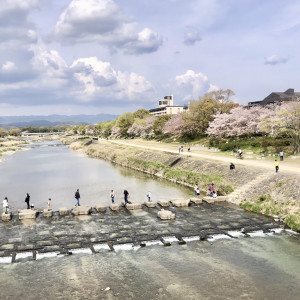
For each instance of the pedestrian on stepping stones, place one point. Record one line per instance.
(5, 205)
(126, 195)
(48, 203)
(149, 196)
(112, 196)
(196, 189)
(211, 190)
(77, 197)
(27, 199)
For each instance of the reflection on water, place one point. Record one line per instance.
(57, 172)
(244, 268)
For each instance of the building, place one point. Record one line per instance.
(278, 97)
(166, 107)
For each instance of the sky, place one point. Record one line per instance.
(113, 56)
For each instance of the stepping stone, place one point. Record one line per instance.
(212, 199)
(100, 208)
(6, 217)
(27, 214)
(132, 205)
(165, 215)
(63, 211)
(195, 200)
(150, 204)
(180, 202)
(114, 207)
(163, 203)
(47, 213)
(81, 210)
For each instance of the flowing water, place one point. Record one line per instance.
(52, 170)
(263, 266)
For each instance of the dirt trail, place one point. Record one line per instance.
(284, 167)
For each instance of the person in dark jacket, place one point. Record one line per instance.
(126, 194)
(27, 199)
(77, 197)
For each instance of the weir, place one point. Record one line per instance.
(62, 234)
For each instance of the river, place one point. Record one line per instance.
(52, 170)
(263, 266)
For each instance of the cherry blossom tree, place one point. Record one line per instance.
(241, 121)
(174, 126)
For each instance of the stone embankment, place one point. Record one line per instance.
(69, 233)
(253, 188)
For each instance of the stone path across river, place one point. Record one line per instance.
(63, 233)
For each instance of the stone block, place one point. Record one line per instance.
(27, 214)
(132, 205)
(163, 203)
(63, 211)
(195, 200)
(47, 213)
(100, 208)
(150, 204)
(180, 202)
(6, 217)
(165, 215)
(209, 199)
(81, 210)
(114, 207)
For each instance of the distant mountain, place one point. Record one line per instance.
(53, 120)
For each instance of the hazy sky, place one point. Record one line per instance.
(114, 56)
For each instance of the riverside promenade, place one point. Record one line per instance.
(64, 234)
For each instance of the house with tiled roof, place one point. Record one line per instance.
(278, 97)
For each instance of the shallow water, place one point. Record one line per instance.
(52, 170)
(244, 268)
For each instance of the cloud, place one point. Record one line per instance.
(100, 79)
(275, 60)
(191, 85)
(9, 66)
(191, 36)
(103, 22)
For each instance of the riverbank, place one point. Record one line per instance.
(275, 195)
(10, 145)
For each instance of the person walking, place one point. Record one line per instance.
(112, 196)
(77, 197)
(27, 200)
(276, 164)
(149, 196)
(281, 155)
(211, 190)
(126, 195)
(5, 205)
(189, 148)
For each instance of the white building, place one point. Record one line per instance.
(166, 107)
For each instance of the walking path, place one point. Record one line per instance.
(264, 164)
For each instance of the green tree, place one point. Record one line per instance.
(124, 122)
(141, 114)
(159, 124)
(14, 131)
(3, 132)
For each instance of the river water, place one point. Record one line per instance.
(52, 170)
(263, 266)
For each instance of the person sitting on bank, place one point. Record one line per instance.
(232, 166)
(211, 190)
(5, 205)
(214, 195)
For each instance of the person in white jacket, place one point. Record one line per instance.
(5, 205)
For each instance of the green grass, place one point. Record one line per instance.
(293, 221)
